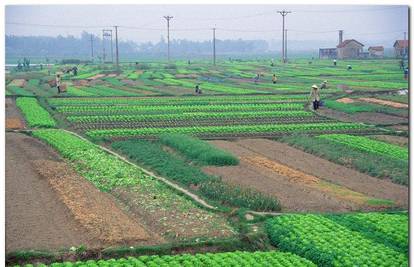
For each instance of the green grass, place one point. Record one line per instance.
(372, 164)
(198, 151)
(352, 108)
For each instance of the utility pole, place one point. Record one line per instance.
(168, 34)
(405, 36)
(116, 47)
(214, 46)
(103, 46)
(283, 13)
(92, 46)
(286, 44)
(108, 33)
(112, 50)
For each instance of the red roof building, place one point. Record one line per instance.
(350, 48)
(401, 48)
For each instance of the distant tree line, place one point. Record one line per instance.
(72, 47)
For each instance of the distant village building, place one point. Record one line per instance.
(376, 51)
(327, 53)
(350, 48)
(401, 48)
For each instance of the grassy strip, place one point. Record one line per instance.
(374, 165)
(35, 115)
(152, 155)
(199, 151)
(369, 145)
(363, 107)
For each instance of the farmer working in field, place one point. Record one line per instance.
(58, 82)
(197, 89)
(401, 64)
(274, 79)
(334, 62)
(314, 96)
(324, 85)
(256, 79)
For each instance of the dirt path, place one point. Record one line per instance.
(383, 102)
(14, 119)
(396, 140)
(366, 117)
(327, 170)
(35, 218)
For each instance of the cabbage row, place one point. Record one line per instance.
(218, 130)
(238, 258)
(189, 116)
(170, 100)
(369, 145)
(328, 243)
(177, 108)
(35, 115)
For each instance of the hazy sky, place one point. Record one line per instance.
(306, 22)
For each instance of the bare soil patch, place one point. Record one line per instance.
(170, 223)
(35, 217)
(365, 117)
(18, 82)
(396, 140)
(328, 171)
(93, 209)
(97, 76)
(345, 100)
(14, 119)
(80, 82)
(383, 102)
(309, 181)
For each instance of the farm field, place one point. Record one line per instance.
(131, 167)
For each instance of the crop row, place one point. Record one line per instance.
(170, 100)
(327, 243)
(238, 258)
(389, 229)
(106, 91)
(35, 115)
(369, 145)
(177, 108)
(230, 129)
(188, 116)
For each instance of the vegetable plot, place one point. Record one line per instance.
(327, 243)
(35, 115)
(369, 145)
(238, 258)
(199, 151)
(222, 130)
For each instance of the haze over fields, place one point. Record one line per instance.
(143, 27)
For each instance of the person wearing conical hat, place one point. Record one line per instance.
(314, 96)
(324, 85)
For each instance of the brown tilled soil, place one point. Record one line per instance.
(396, 140)
(383, 102)
(35, 217)
(295, 196)
(14, 119)
(93, 209)
(365, 117)
(49, 206)
(345, 100)
(329, 171)
(172, 223)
